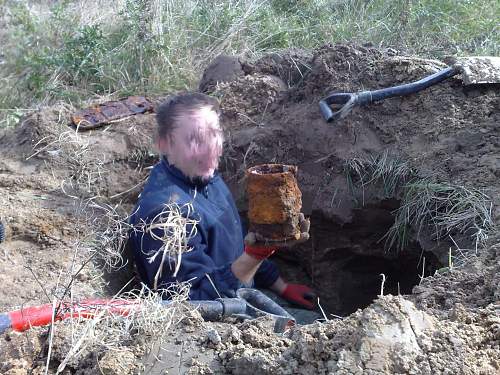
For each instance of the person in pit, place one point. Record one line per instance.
(189, 140)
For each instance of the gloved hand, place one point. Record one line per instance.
(300, 295)
(255, 240)
(260, 252)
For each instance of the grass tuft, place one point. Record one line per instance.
(388, 172)
(149, 321)
(443, 209)
(174, 227)
(437, 209)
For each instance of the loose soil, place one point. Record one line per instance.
(445, 323)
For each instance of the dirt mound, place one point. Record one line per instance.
(46, 173)
(447, 122)
(389, 337)
(105, 162)
(472, 288)
(246, 99)
(222, 69)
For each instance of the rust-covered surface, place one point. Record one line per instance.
(274, 201)
(102, 114)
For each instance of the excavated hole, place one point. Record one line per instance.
(344, 263)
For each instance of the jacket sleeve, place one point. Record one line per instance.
(196, 267)
(266, 275)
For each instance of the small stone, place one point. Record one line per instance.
(213, 336)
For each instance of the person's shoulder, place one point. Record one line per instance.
(159, 192)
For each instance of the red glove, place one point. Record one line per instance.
(260, 252)
(297, 293)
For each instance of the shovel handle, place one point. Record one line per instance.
(366, 97)
(349, 100)
(340, 98)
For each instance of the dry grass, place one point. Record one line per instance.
(110, 228)
(174, 227)
(434, 209)
(390, 173)
(148, 321)
(72, 153)
(443, 210)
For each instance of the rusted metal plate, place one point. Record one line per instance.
(115, 110)
(138, 104)
(88, 118)
(274, 201)
(102, 114)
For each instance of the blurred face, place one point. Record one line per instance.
(195, 144)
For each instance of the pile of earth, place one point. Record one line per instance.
(447, 134)
(446, 323)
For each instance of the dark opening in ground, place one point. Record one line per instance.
(344, 263)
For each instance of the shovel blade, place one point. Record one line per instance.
(478, 70)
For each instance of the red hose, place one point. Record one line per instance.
(24, 319)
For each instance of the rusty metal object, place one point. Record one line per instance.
(274, 202)
(102, 114)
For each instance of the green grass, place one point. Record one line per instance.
(72, 51)
(430, 208)
(390, 173)
(441, 211)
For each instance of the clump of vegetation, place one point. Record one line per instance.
(440, 210)
(174, 227)
(443, 210)
(139, 316)
(73, 50)
(389, 172)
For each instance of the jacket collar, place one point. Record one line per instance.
(176, 172)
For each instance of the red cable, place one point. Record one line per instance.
(37, 316)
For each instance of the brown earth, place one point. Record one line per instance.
(447, 323)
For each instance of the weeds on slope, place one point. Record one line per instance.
(72, 50)
(435, 209)
(444, 210)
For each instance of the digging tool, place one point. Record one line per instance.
(251, 303)
(474, 70)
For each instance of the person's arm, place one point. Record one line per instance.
(266, 275)
(245, 267)
(278, 286)
(296, 293)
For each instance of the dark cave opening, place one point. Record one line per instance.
(344, 263)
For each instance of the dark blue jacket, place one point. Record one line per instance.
(218, 242)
